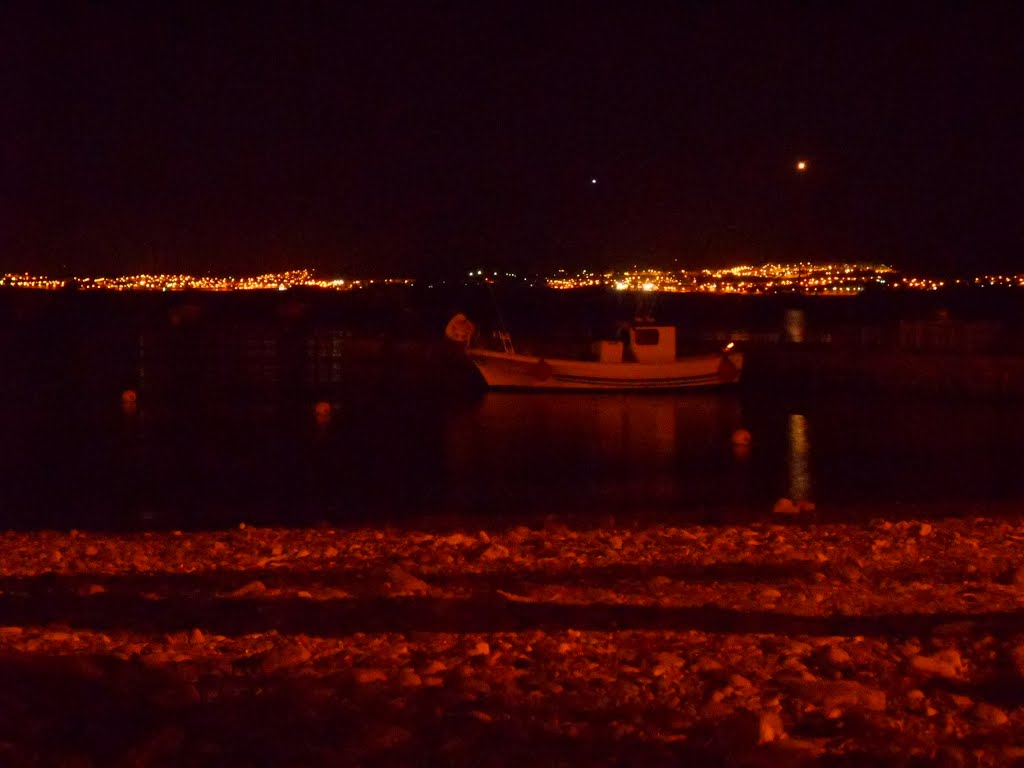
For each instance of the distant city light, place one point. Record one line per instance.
(809, 278)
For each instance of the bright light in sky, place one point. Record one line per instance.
(593, 181)
(801, 165)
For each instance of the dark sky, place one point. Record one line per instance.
(410, 137)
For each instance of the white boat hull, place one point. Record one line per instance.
(506, 370)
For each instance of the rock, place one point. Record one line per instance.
(92, 550)
(480, 649)
(366, 675)
(92, 589)
(962, 702)
(494, 552)
(989, 715)
(924, 530)
(282, 657)
(769, 728)
(916, 700)
(740, 684)
(770, 593)
(946, 664)
(458, 539)
(785, 507)
(837, 657)
(1017, 657)
(615, 542)
(708, 666)
(253, 588)
(798, 648)
(519, 534)
(401, 584)
(848, 569)
(669, 660)
(408, 678)
(832, 694)
(434, 668)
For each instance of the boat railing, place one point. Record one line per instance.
(506, 341)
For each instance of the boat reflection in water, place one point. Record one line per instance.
(583, 452)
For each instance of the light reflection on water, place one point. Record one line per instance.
(373, 456)
(799, 459)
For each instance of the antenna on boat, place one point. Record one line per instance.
(644, 312)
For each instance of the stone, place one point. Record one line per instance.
(282, 657)
(708, 666)
(366, 675)
(837, 657)
(251, 589)
(945, 664)
(990, 715)
(839, 694)
(962, 702)
(408, 678)
(669, 660)
(494, 552)
(402, 584)
(785, 507)
(769, 728)
(480, 649)
(740, 684)
(434, 668)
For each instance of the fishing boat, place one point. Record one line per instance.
(644, 358)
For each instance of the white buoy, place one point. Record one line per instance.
(741, 437)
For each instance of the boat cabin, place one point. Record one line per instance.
(641, 344)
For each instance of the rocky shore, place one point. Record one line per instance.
(779, 643)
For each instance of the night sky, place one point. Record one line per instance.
(404, 137)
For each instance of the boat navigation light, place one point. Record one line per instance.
(729, 346)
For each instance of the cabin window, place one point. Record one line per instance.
(645, 337)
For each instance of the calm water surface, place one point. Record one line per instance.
(372, 457)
